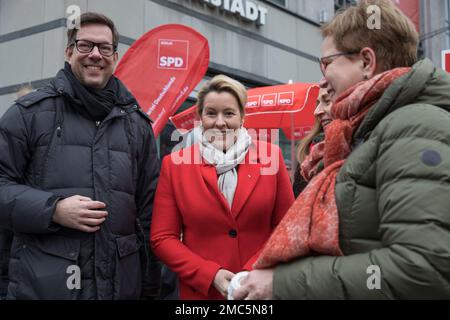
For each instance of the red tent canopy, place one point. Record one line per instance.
(290, 107)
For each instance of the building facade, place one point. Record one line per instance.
(435, 28)
(259, 42)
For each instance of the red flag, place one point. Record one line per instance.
(185, 119)
(162, 67)
(283, 106)
(411, 8)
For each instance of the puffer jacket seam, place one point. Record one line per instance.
(419, 252)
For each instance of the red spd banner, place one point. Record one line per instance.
(162, 67)
(282, 106)
(290, 107)
(186, 119)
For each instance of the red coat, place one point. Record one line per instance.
(188, 200)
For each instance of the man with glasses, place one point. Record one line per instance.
(78, 174)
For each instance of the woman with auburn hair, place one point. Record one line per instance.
(377, 216)
(218, 200)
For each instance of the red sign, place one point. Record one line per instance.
(288, 106)
(253, 101)
(286, 98)
(173, 54)
(269, 100)
(282, 106)
(162, 67)
(446, 60)
(185, 119)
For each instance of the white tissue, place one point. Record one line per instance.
(235, 283)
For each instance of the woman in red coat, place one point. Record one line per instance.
(218, 200)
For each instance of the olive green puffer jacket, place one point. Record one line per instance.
(393, 198)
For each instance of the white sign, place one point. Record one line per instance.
(247, 9)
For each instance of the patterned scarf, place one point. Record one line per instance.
(311, 225)
(313, 163)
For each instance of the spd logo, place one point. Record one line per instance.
(253, 101)
(173, 54)
(286, 99)
(269, 100)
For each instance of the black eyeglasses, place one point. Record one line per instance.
(86, 46)
(325, 61)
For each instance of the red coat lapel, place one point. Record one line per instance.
(209, 175)
(248, 175)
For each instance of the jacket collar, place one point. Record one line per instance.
(423, 84)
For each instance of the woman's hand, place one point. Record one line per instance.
(258, 285)
(222, 281)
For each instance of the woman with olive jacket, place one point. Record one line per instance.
(218, 200)
(387, 154)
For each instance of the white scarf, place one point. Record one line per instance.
(226, 163)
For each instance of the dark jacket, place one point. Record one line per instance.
(5, 246)
(392, 195)
(52, 151)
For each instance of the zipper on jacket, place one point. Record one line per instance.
(97, 123)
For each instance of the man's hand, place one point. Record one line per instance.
(222, 281)
(81, 213)
(257, 285)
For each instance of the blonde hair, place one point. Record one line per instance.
(222, 83)
(395, 44)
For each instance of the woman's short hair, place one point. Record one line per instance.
(222, 83)
(395, 44)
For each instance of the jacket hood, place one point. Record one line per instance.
(424, 84)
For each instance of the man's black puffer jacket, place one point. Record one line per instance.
(51, 151)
